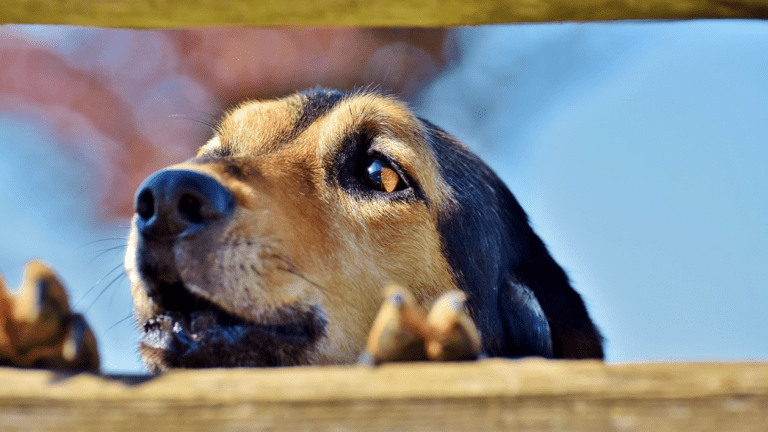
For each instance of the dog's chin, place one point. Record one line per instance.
(197, 333)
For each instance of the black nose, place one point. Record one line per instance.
(179, 203)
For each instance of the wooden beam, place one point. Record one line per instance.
(419, 13)
(487, 395)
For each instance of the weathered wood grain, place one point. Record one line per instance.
(420, 13)
(485, 396)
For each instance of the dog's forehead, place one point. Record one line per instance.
(318, 124)
(316, 118)
(257, 126)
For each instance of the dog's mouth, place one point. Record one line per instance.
(193, 332)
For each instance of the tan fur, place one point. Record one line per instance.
(298, 240)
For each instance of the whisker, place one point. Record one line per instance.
(292, 270)
(96, 284)
(122, 246)
(100, 241)
(299, 275)
(121, 275)
(212, 117)
(116, 324)
(112, 297)
(209, 124)
(105, 251)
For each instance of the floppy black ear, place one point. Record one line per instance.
(525, 325)
(572, 332)
(540, 311)
(520, 298)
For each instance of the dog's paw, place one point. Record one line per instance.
(399, 330)
(453, 335)
(39, 330)
(403, 331)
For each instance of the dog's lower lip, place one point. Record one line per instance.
(189, 314)
(188, 330)
(158, 333)
(160, 328)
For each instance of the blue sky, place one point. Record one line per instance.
(642, 162)
(47, 212)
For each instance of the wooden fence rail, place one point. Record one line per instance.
(530, 395)
(419, 13)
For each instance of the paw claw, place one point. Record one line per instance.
(403, 331)
(41, 306)
(38, 328)
(79, 350)
(454, 336)
(398, 331)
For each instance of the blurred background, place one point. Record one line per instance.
(638, 150)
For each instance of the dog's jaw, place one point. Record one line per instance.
(181, 328)
(213, 338)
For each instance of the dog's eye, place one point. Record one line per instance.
(380, 175)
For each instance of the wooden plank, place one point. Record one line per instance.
(419, 13)
(487, 395)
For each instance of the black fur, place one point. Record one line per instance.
(234, 342)
(494, 253)
(319, 101)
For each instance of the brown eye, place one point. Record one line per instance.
(381, 176)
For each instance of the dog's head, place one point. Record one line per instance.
(272, 245)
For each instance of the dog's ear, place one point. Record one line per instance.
(541, 314)
(526, 328)
(520, 298)
(537, 289)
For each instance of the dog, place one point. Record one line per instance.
(272, 246)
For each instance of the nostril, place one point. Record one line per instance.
(190, 209)
(179, 203)
(145, 205)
